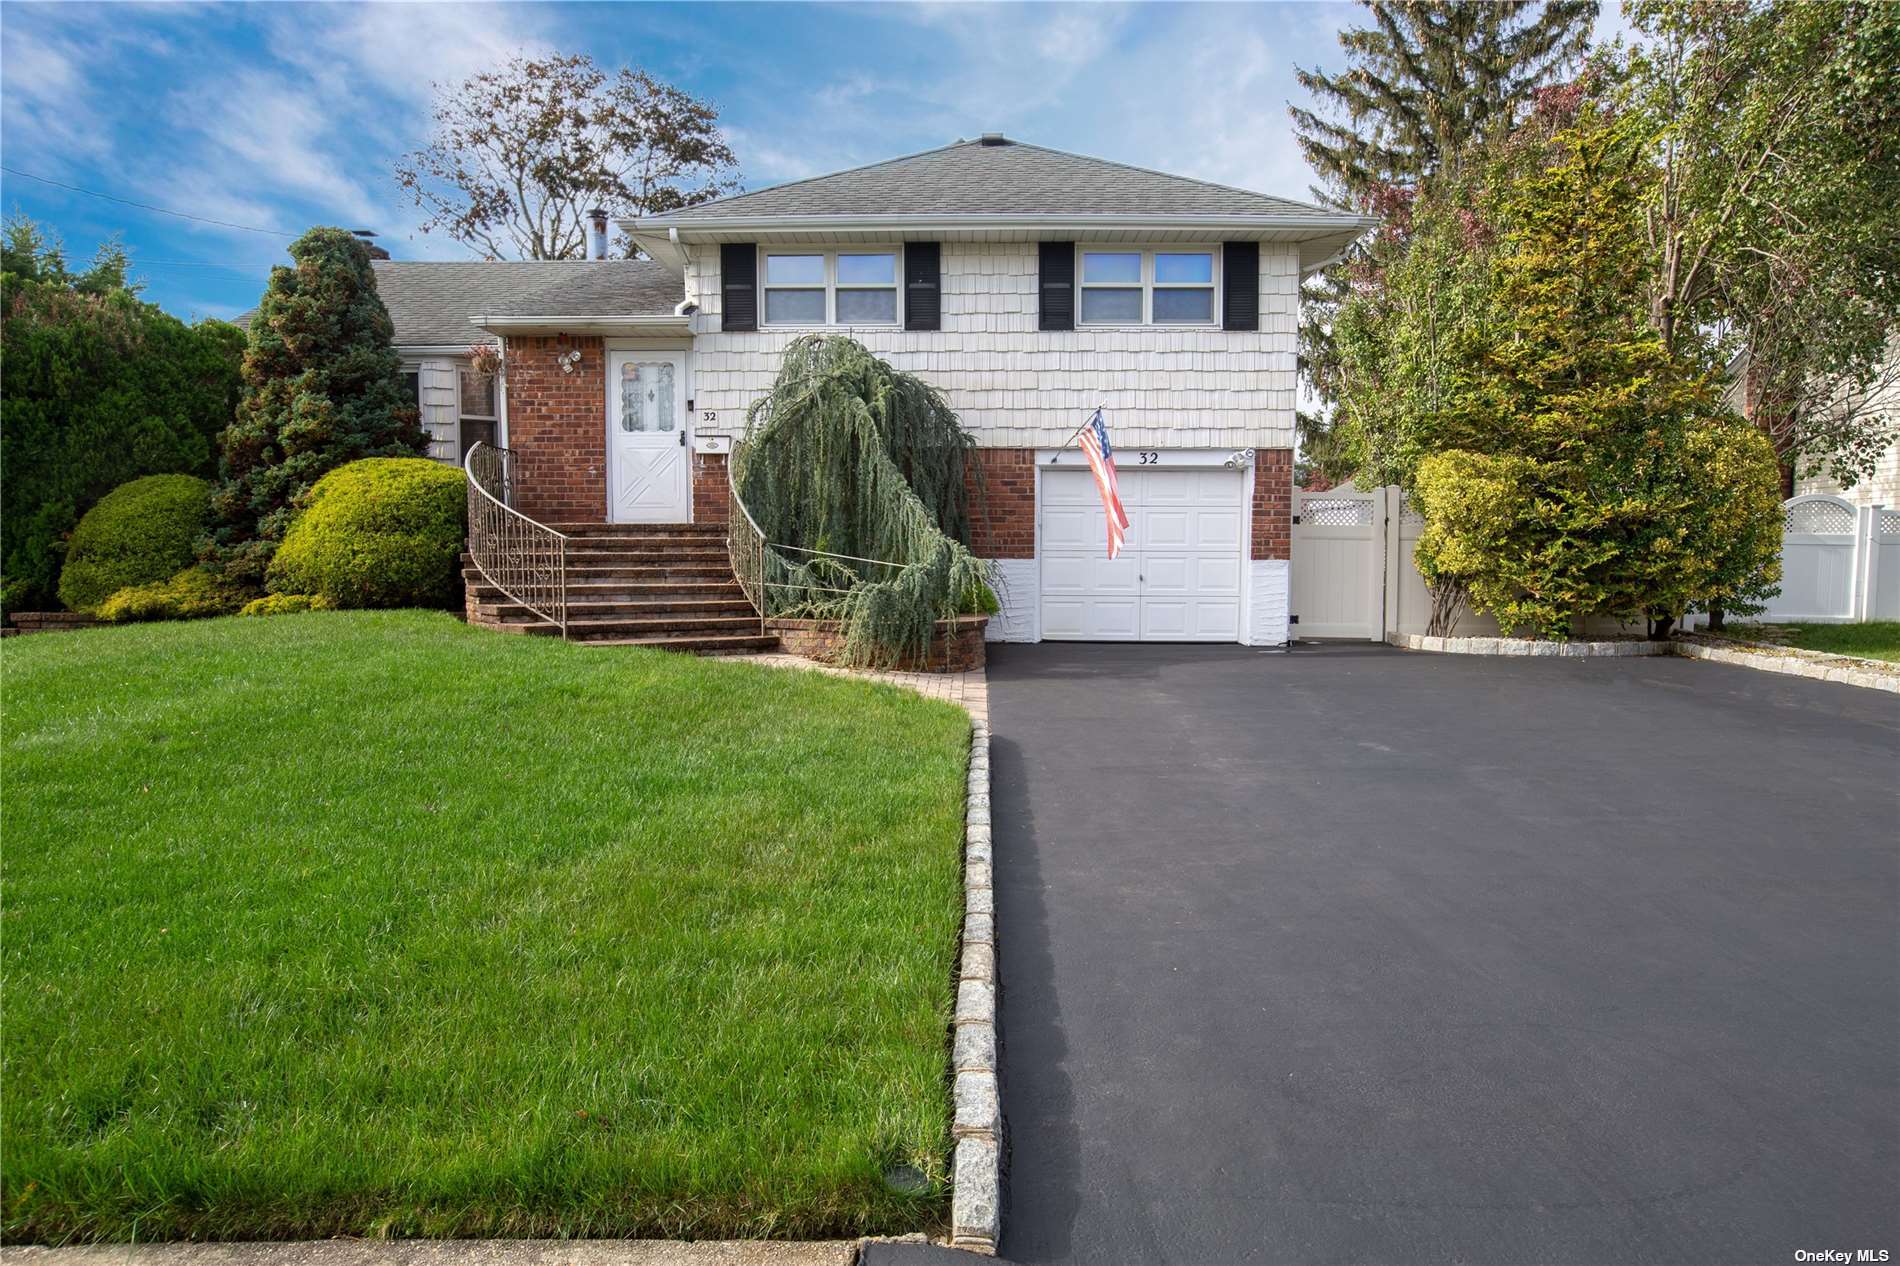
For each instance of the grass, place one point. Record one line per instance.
(1876, 639)
(374, 924)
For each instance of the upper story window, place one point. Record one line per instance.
(843, 287)
(1158, 287)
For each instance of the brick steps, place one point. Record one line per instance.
(666, 586)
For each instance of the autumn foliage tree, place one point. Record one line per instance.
(1568, 462)
(322, 386)
(520, 154)
(1425, 81)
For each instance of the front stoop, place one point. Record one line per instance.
(663, 585)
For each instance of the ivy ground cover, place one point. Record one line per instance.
(374, 924)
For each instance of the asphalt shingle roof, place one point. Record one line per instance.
(433, 303)
(997, 178)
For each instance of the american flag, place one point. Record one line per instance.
(1102, 462)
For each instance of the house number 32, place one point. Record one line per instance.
(1148, 457)
(709, 416)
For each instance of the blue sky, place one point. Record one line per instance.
(279, 116)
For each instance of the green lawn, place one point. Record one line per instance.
(375, 924)
(1877, 639)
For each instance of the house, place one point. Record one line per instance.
(1029, 285)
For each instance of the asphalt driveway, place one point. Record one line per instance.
(1353, 956)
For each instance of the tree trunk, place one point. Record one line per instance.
(1718, 619)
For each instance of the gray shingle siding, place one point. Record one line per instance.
(974, 178)
(434, 304)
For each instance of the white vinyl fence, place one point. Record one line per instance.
(1840, 563)
(1353, 575)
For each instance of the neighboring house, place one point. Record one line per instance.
(1882, 487)
(1029, 285)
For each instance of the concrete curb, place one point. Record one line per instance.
(1518, 646)
(1792, 661)
(976, 1188)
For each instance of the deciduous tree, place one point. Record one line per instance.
(521, 154)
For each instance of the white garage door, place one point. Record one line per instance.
(1178, 578)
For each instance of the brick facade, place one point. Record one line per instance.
(557, 427)
(712, 496)
(1002, 491)
(1273, 503)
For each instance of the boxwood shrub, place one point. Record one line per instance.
(140, 533)
(286, 604)
(192, 594)
(381, 532)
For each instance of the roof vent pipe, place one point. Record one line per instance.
(597, 233)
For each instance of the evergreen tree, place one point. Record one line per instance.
(322, 386)
(1427, 80)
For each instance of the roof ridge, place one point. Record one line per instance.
(1169, 175)
(843, 171)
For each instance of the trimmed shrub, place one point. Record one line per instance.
(381, 532)
(192, 594)
(139, 534)
(287, 604)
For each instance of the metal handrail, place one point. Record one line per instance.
(749, 552)
(525, 559)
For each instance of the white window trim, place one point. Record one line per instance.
(1148, 284)
(832, 285)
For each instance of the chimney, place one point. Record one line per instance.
(368, 238)
(597, 233)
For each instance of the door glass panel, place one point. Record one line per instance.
(646, 396)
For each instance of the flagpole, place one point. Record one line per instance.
(1085, 426)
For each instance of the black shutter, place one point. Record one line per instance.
(923, 285)
(1240, 275)
(1056, 307)
(739, 286)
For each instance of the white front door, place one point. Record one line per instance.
(649, 478)
(1178, 577)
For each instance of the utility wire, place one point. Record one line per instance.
(144, 206)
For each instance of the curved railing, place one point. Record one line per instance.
(524, 559)
(769, 579)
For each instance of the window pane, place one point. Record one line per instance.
(1099, 267)
(863, 307)
(474, 429)
(1190, 268)
(867, 270)
(794, 270)
(795, 307)
(412, 385)
(1111, 305)
(478, 393)
(1184, 305)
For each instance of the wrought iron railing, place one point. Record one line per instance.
(524, 559)
(771, 582)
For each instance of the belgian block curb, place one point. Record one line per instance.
(1846, 670)
(977, 1122)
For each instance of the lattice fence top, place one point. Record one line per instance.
(1818, 518)
(1336, 512)
(1409, 517)
(1890, 522)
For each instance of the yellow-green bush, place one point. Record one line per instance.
(140, 533)
(381, 532)
(192, 594)
(287, 604)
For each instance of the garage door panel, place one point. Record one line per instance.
(1180, 572)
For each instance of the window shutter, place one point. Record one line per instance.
(1240, 273)
(739, 286)
(1056, 292)
(923, 285)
